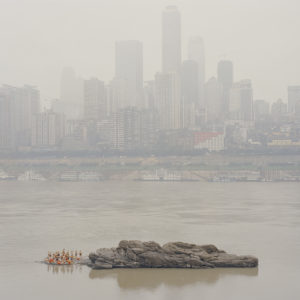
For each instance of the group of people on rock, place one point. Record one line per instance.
(64, 257)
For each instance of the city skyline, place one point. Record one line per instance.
(266, 84)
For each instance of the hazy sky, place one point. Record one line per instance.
(40, 37)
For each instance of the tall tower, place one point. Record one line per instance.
(171, 40)
(167, 100)
(241, 101)
(196, 53)
(225, 78)
(189, 92)
(129, 68)
(94, 100)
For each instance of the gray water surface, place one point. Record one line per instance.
(261, 219)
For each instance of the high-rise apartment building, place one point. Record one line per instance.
(118, 95)
(261, 109)
(126, 129)
(189, 92)
(48, 129)
(168, 100)
(213, 100)
(129, 68)
(196, 52)
(294, 99)
(95, 100)
(241, 101)
(171, 40)
(225, 78)
(279, 109)
(17, 107)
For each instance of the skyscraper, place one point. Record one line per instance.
(48, 129)
(278, 109)
(95, 103)
(241, 101)
(118, 95)
(129, 68)
(213, 100)
(225, 78)
(171, 40)
(168, 100)
(261, 109)
(17, 107)
(189, 92)
(196, 53)
(294, 99)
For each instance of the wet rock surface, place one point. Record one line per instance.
(137, 254)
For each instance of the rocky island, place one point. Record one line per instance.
(137, 254)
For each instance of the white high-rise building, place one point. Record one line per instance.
(213, 100)
(118, 95)
(189, 92)
(48, 129)
(171, 40)
(196, 52)
(168, 100)
(95, 102)
(241, 101)
(129, 69)
(225, 78)
(17, 107)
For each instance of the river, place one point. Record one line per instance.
(261, 219)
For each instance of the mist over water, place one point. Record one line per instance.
(260, 219)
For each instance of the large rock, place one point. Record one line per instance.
(137, 254)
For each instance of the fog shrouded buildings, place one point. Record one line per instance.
(71, 95)
(17, 107)
(126, 129)
(294, 99)
(196, 52)
(279, 109)
(167, 83)
(189, 92)
(95, 102)
(225, 78)
(129, 70)
(171, 40)
(213, 100)
(48, 129)
(241, 101)
(261, 109)
(168, 100)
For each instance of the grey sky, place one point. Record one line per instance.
(40, 37)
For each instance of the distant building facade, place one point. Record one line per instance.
(48, 129)
(168, 100)
(211, 141)
(196, 52)
(17, 107)
(95, 100)
(129, 69)
(225, 79)
(189, 92)
(241, 101)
